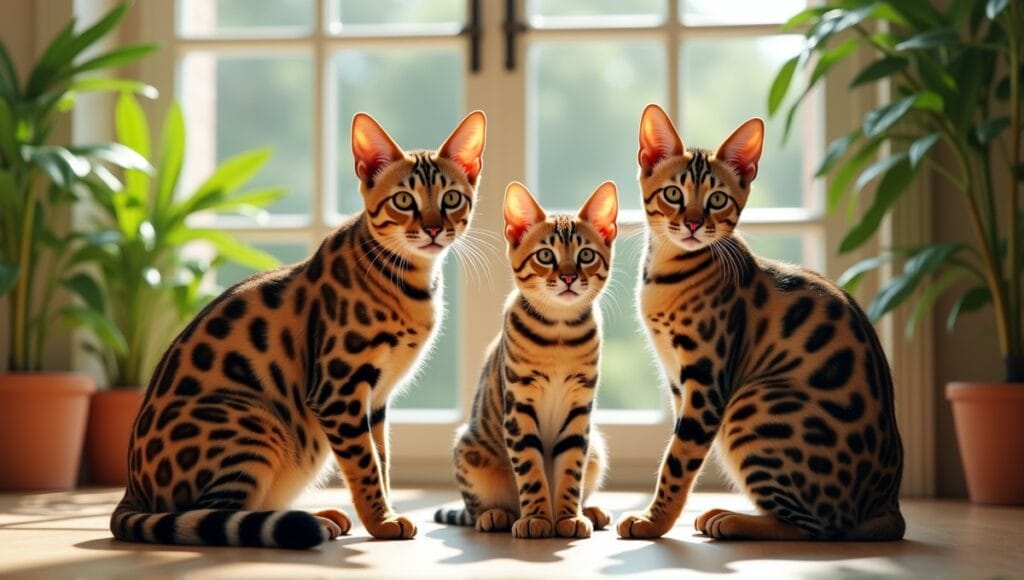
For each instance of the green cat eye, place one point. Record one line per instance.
(586, 256)
(403, 201)
(672, 194)
(452, 199)
(718, 200)
(546, 256)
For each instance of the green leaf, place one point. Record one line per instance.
(229, 176)
(172, 154)
(86, 288)
(8, 139)
(99, 324)
(971, 301)
(929, 101)
(878, 168)
(853, 275)
(890, 189)
(900, 287)
(90, 35)
(103, 84)
(994, 7)
(780, 86)
(114, 153)
(930, 39)
(989, 129)
(920, 147)
(133, 132)
(804, 16)
(836, 149)
(115, 58)
(8, 276)
(880, 69)
(848, 171)
(920, 14)
(8, 72)
(253, 199)
(230, 248)
(929, 297)
(880, 119)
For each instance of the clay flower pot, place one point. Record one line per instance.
(989, 420)
(42, 425)
(111, 417)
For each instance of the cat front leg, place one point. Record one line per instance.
(695, 429)
(526, 452)
(379, 430)
(570, 455)
(344, 413)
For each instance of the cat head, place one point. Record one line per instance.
(560, 260)
(692, 197)
(418, 202)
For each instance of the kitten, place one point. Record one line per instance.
(528, 457)
(772, 362)
(295, 365)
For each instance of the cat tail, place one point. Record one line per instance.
(296, 530)
(454, 517)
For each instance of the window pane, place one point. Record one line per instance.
(629, 375)
(583, 108)
(436, 385)
(724, 12)
(724, 82)
(416, 95)
(287, 252)
(799, 249)
(245, 17)
(594, 12)
(239, 103)
(394, 14)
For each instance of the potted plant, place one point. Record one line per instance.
(955, 74)
(136, 285)
(42, 415)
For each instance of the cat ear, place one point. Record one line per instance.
(521, 212)
(602, 209)
(466, 144)
(658, 139)
(742, 150)
(372, 147)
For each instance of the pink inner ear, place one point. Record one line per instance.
(658, 140)
(742, 150)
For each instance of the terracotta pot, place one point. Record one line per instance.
(111, 418)
(42, 425)
(989, 420)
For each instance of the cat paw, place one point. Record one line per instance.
(574, 527)
(701, 523)
(532, 527)
(641, 525)
(393, 527)
(335, 521)
(598, 516)
(494, 520)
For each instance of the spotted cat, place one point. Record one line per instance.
(773, 363)
(292, 365)
(528, 457)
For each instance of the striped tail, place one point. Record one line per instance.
(454, 517)
(296, 530)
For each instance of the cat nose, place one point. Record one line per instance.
(693, 225)
(432, 230)
(569, 278)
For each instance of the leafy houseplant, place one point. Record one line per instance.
(955, 73)
(140, 274)
(42, 416)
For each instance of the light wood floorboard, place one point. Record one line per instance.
(65, 535)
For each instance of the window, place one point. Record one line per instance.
(289, 74)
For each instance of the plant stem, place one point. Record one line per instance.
(19, 304)
(1013, 249)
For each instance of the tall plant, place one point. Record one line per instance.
(955, 73)
(146, 287)
(38, 177)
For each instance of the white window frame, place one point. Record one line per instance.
(422, 439)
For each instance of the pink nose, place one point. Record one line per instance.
(433, 230)
(693, 226)
(569, 278)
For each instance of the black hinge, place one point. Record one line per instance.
(513, 28)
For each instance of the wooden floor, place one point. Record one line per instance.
(65, 534)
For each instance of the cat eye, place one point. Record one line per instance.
(546, 256)
(403, 201)
(672, 194)
(586, 256)
(452, 199)
(718, 200)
